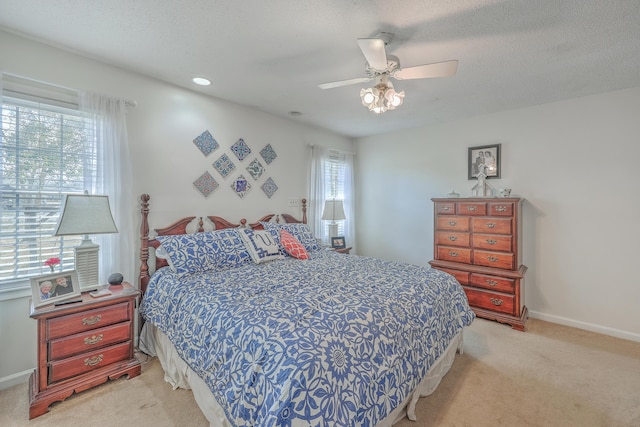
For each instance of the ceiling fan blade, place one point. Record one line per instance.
(373, 50)
(340, 83)
(439, 69)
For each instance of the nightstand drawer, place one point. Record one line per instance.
(86, 362)
(91, 340)
(91, 319)
(493, 259)
(491, 301)
(499, 284)
(454, 254)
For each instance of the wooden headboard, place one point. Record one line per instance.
(180, 227)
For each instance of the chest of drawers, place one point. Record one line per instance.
(478, 241)
(81, 345)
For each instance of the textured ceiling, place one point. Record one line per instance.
(271, 55)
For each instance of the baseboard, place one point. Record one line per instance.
(13, 379)
(586, 326)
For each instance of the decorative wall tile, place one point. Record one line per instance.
(224, 165)
(255, 169)
(241, 186)
(241, 149)
(269, 187)
(206, 143)
(268, 154)
(206, 184)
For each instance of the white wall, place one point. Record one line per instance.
(166, 162)
(576, 164)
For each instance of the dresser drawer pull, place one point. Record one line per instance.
(492, 282)
(452, 223)
(91, 320)
(93, 340)
(493, 259)
(496, 301)
(446, 208)
(491, 241)
(453, 253)
(93, 361)
(453, 238)
(501, 208)
(471, 208)
(491, 224)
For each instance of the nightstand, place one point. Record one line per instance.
(343, 250)
(81, 345)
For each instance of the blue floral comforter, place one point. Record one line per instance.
(336, 340)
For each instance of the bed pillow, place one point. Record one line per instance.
(292, 245)
(302, 232)
(261, 245)
(199, 252)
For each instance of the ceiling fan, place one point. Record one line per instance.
(380, 67)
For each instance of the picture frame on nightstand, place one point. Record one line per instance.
(338, 242)
(54, 288)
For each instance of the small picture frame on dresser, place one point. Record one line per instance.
(54, 288)
(485, 160)
(338, 243)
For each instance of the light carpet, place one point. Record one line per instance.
(551, 375)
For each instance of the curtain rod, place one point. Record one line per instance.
(333, 149)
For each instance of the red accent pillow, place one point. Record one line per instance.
(292, 246)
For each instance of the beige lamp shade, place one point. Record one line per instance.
(85, 214)
(333, 210)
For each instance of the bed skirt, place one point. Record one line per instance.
(177, 373)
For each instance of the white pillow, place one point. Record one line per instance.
(261, 245)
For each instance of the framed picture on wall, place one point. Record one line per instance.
(484, 159)
(51, 288)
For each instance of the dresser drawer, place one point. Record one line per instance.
(448, 253)
(452, 238)
(472, 208)
(494, 242)
(87, 320)
(491, 301)
(461, 276)
(86, 362)
(501, 209)
(493, 259)
(499, 284)
(492, 225)
(454, 223)
(446, 208)
(90, 340)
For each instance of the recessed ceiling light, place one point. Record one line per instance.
(294, 113)
(201, 81)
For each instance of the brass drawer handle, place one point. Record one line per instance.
(453, 238)
(492, 282)
(93, 361)
(496, 301)
(491, 241)
(446, 208)
(453, 253)
(452, 223)
(491, 224)
(501, 208)
(493, 259)
(471, 208)
(91, 320)
(93, 340)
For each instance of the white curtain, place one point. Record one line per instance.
(349, 203)
(113, 179)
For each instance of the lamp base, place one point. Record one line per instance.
(333, 230)
(87, 264)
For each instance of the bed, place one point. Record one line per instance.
(298, 336)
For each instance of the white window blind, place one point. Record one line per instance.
(47, 149)
(334, 173)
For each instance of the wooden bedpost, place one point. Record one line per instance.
(144, 243)
(304, 211)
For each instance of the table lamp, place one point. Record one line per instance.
(333, 211)
(84, 214)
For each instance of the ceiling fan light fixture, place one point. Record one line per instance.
(382, 97)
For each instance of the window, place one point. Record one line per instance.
(334, 175)
(47, 149)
